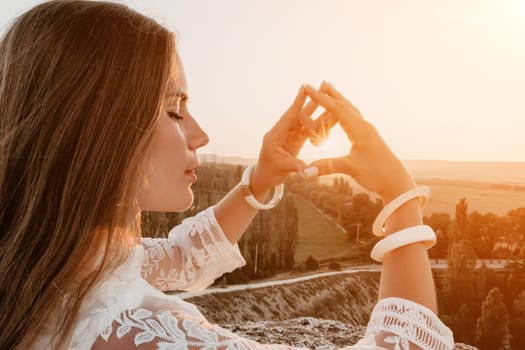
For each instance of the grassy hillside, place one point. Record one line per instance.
(347, 298)
(318, 236)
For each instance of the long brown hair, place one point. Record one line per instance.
(81, 85)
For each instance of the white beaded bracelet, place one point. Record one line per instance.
(248, 194)
(423, 192)
(410, 235)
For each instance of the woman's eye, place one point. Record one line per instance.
(174, 115)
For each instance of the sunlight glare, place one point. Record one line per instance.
(336, 145)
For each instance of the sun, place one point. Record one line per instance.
(337, 145)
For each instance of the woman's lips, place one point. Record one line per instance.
(191, 174)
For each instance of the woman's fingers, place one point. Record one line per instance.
(305, 117)
(312, 126)
(332, 91)
(298, 102)
(310, 108)
(296, 140)
(321, 98)
(347, 115)
(328, 166)
(287, 163)
(289, 118)
(317, 130)
(283, 142)
(299, 114)
(294, 165)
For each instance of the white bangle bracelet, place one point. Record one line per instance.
(422, 192)
(248, 194)
(410, 235)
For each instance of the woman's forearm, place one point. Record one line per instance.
(234, 214)
(406, 271)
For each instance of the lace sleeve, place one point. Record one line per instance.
(195, 253)
(401, 324)
(396, 324)
(165, 330)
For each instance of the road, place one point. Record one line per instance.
(436, 264)
(237, 287)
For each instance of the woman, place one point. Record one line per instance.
(94, 129)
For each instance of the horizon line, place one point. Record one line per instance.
(247, 158)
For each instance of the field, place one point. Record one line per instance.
(484, 197)
(494, 187)
(318, 236)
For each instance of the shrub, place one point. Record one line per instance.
(334, 265)
(311, 263)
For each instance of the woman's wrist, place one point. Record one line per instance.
(400, 187)
(400, 181)
(409, 214)
(260, 188)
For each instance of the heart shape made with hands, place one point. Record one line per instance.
(326, 137)
(333, 145)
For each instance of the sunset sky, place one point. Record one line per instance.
(440, 79)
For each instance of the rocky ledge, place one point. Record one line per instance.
(308, 332)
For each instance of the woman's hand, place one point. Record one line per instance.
(406, 271)
(370, 161)
(281, 145)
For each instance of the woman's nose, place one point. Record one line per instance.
(198, 138)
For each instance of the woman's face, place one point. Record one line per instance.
(171, 160)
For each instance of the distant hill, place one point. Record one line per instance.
(484, 172)
(491, 172)
(213, 158)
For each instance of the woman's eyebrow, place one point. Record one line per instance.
(177, 93)
(174, 96)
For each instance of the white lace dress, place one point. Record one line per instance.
(130, 311)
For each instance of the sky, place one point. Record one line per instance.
(439, 79)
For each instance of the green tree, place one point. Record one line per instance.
(311, 263)
(517, 221)
(517, 218)
(519, 304)
(492, 331)
(460, 276)
(363, 211)
(476, 234)
(517, 322)
(481, 281)
(440, 223)
(460, 222)
(511, 287)
(462, 322)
